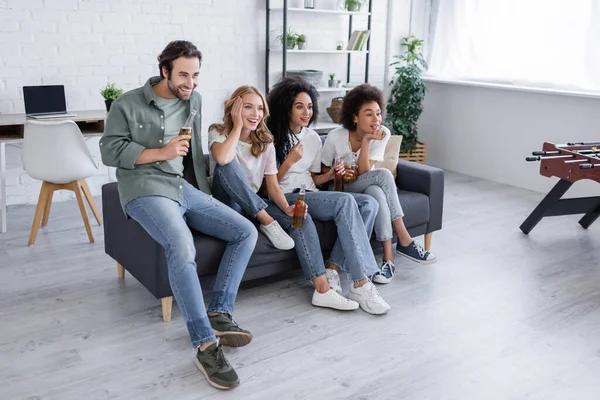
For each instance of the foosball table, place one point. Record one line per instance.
(570, 162)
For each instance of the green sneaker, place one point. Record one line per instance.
(228, 331)
(215, 367)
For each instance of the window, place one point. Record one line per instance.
(544, 43)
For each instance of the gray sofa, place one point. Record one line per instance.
(421, 190)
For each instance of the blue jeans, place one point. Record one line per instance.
(379, 183)
(167, 222)
(231, 187)
(354, 216)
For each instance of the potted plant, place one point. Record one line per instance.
(338, 83)
(331, 81)
(110, 94)
(405, 104)
(291, 39)
(301, 40)
(352, 5)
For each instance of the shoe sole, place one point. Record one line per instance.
(383, 282)
(369, 311)
(334, 308)
(233, 339)
(416, 259)
(211, 383)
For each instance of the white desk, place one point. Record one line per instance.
(91, 123)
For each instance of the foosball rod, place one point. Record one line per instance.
(546, 153)
(571, 144)
(540, 158)
(588, 166)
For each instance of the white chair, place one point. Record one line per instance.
(56, 153)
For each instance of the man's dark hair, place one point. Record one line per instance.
(174, 50)
(355, 99)
(281, 99)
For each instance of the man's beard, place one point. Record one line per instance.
(175, 90)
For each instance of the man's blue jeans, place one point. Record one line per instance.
(167, 222)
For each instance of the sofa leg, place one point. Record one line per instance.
(120, 271)
(167, 306)
(428, 240)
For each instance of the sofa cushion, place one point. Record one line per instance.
(210, 250)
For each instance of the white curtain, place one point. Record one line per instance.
(547, 43)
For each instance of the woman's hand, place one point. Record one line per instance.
(339, 168)
(290, 210)
(377, 135)
(236, 113)
(295, 154)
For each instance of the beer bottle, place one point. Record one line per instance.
(186, 129)
(299, 209)
(338, 177)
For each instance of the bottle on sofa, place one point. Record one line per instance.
(299, 209)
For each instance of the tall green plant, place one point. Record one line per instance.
(405, 104)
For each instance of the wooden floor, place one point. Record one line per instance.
(501, 315)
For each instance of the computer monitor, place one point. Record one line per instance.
(47, 99)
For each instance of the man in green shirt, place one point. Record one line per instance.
(163, 186)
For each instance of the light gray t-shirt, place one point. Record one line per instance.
(175, 115)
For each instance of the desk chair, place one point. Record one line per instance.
(56, 153)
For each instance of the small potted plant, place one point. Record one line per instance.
(301, 40)
(338, 83)
(291, 39)
(352, 5)
(110, 94)
(331, 81)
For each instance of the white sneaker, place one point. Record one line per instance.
(331, 299)
(369, 299)
(334, 280)
(278, 237)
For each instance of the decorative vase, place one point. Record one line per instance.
(331, 83)
(108, 104)
(301, 45)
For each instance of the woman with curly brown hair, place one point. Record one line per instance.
(242, 155)
(294, 107)
(362, 140)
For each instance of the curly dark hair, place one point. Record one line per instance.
(355, 99)
(281, 99)
(174, 50)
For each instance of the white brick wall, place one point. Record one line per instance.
(83, 44)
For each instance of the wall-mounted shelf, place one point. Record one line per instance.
(278, 50)
(318, 11)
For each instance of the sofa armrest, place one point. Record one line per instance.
(131, 246)
(427, 180)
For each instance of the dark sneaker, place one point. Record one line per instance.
(228, 331)
(215, 367)
(416, 252)
(386, 272)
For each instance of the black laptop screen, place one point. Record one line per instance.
(44, 99)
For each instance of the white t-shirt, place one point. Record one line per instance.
(255, 168)
(338, 144)
(300, 173)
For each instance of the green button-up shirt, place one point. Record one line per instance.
(136, 123)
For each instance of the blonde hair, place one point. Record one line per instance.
(261, 136)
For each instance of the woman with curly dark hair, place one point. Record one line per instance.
(362, 140)
(293, 104)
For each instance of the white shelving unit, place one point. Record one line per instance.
(283, 51)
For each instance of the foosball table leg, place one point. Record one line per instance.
(589, 218)
(540, 211)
